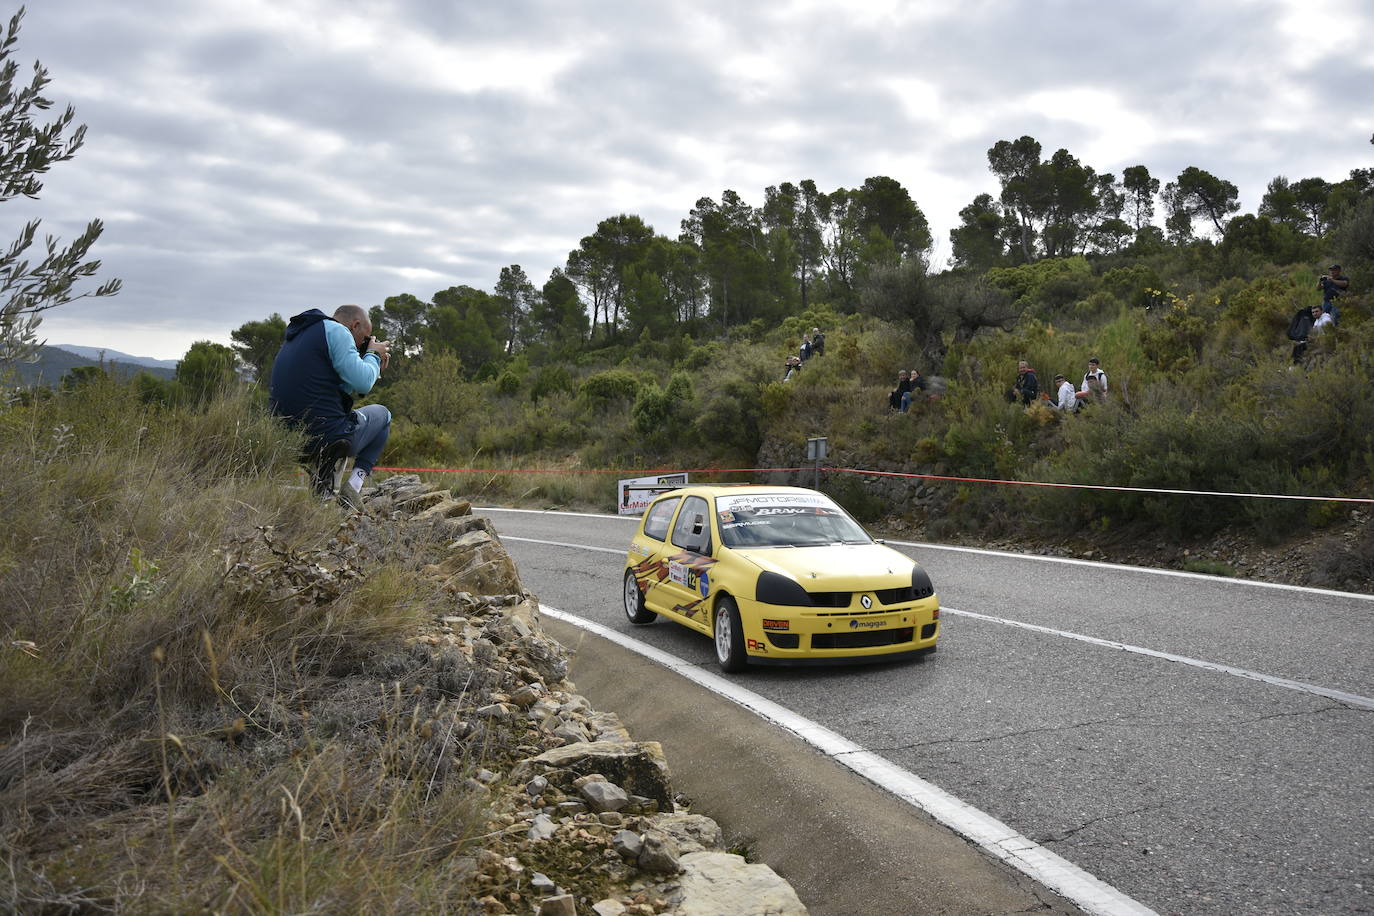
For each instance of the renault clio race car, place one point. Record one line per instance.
(777, 575)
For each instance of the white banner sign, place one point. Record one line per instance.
(637, 492)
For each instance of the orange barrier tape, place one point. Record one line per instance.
(1090, 486)
(863, 472)
(555, 471)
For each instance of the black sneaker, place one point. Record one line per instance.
(327, 466)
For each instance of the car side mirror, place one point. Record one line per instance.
(880, 540)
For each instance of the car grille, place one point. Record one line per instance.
(928, 630)
(903, 594)
(831, 599)
(784, 640)
(861, 640)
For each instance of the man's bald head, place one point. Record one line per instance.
(347, 314)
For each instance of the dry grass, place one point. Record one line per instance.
(206, 700)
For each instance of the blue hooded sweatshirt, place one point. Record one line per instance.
(316, 374)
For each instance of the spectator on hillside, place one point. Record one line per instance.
(1065, 399)
(1333, 286)
(1094, 389)
(1303, 326)
(323, 364)
(916, 382)
(794, 365)
(1322, 320)
(1027, 386)
(1095, 372)
(817, 342)
(805, 350)
(894, 397)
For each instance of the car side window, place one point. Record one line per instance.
(657, 519)
(693, 529)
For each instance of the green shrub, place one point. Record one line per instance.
(550, 381)
(607, 388)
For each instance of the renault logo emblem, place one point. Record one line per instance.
(866, 601)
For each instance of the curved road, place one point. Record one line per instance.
(1203, 745)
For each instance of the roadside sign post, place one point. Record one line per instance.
(636, 493)
(816, 450)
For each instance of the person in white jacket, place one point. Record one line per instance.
(1066, 400)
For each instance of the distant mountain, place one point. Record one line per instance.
(115, 356)
(54, 362)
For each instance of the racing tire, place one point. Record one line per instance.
(635, 611)
(729, 636)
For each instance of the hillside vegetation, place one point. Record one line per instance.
(194, 670)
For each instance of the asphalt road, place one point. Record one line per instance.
(1190, 789)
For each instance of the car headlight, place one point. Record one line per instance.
(921, 586)
(773, 588)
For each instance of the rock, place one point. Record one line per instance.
(608, 907)
(604, 796)
(486, 777)
(570, 732)
(660, 855)
(638, 767)
(537, 786)
(542, 883)
(525, 696)
(542, 828)
(718, 882)
(562, 905)
(627, 844)
(413, 505)
(493, 711)
(611, 818)
(691, 832)
(453, 528)
(477, 563)
(445, 508)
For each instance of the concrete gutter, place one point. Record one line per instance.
(847, 846)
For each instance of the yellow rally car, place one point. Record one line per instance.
(777, 574)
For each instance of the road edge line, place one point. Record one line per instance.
(999, 840)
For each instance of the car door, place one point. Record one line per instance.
(649, 551)
(689, 556)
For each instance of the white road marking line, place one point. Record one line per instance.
(1178, 573)
(1055, 872)
(1330, 693)
(619, 553)
(628, 518)
(1340, 696)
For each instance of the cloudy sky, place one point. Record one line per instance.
(259, 156)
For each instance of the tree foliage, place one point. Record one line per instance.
(27, 150)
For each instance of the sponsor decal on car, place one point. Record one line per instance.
(677, 572)
(769, 624)
(867, 624)
(755, 646)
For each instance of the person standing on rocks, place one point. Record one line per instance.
(324, 363)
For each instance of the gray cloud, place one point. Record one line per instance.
(257, 157)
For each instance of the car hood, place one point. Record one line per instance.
(837, 567)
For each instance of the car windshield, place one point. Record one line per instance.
(785, 520)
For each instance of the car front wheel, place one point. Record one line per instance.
(729, 636)
(634, 601)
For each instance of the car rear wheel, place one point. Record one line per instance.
(729, 636)
(634, 601)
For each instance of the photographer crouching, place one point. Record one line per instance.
(324, 363)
